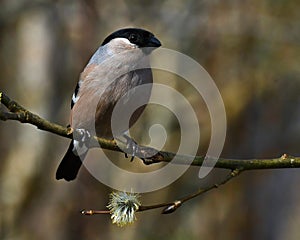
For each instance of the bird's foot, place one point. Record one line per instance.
(83, 136)
(134, 150)
(131, 147)
(81, 140)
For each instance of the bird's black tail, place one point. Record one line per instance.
(69, 165)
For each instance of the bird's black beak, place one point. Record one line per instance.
(154, 42)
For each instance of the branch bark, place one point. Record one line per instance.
(18, 113)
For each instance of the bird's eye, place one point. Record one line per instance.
(133, 38)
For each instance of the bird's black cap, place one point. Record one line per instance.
(138, 36)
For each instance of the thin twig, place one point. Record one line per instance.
(176, 204)
(94, 212)
(170, 207)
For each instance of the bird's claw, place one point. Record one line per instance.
(131, 148)
(148, 161)
(83, 136)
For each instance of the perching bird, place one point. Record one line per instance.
(120, 64)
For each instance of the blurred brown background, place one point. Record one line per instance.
(252, 51)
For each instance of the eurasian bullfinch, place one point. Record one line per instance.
(120, 64)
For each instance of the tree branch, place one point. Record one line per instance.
(18, 113)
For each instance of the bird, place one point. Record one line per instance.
(120, 64)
